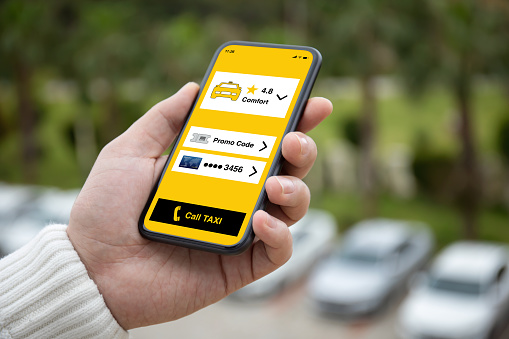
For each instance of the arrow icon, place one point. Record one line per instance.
(281, 98)
(264, 146)
(255, 171)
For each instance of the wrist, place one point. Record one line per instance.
(94, 256)
(47, 280)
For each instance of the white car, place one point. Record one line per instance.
(41, 207)
(373, 265)
(464, 296)
(12, 198)
(313, 237)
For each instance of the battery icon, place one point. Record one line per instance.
(304, 57)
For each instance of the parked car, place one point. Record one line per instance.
(12, 199)
(35, 208)
(372, 265)
(313, 237)
(464, 295)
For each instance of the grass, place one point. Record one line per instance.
(402, 118)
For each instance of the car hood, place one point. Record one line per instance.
(444, 313)
(344, 283)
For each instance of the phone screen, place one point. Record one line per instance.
(218, 167)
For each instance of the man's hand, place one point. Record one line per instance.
(145, 282)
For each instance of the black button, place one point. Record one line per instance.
(198, 217)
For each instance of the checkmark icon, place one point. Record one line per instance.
(281, 98)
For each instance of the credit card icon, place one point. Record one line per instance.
(190, 162)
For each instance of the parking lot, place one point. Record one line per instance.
(288, 315)
(377, 261)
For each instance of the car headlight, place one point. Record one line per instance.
(365, 305)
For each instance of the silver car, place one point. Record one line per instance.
(372, 265)
(31, 208)
(464, 295)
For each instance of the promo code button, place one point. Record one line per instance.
(198, 217)
(255, 145)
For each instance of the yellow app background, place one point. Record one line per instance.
(233, 195)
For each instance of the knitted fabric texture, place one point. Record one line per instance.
(45, 292)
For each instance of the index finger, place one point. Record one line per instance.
(153, 133)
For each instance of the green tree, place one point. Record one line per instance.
(448, 42)
(101, 46)
(26, 29)
(356, 36)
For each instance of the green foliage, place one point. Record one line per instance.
(502, 140)
(356, 35)
(435, 175)
(352, 130)
(448, 41)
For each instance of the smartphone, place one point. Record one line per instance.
(252, 95)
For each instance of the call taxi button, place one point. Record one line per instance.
(198, 217)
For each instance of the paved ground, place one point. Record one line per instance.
(288, 315)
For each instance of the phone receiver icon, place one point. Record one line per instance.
(175, 213)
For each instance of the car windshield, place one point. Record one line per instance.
(228, 85)
(460, 287)
(298, 238)
(359, 257)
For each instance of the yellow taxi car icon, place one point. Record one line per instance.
(226, 90)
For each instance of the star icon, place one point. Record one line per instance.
(251, 89)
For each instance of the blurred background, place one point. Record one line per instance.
(417, 148)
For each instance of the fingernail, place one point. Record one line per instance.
(286, 185)
(271, 222)
(304, 145)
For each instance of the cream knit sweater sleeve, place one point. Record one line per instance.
(45, 292)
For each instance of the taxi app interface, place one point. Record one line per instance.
(218, 169)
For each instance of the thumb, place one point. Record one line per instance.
(154, 132)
